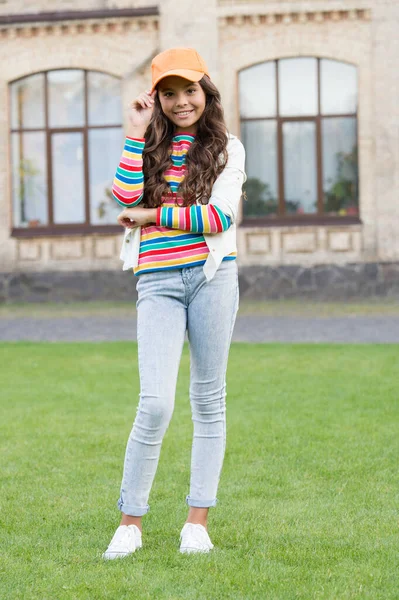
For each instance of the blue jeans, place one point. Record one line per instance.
(169, 303)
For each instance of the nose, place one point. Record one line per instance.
(181, 101)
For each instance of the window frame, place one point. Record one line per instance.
(54, 229)
(281, 218)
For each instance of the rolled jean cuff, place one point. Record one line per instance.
(133, 511)
(200, 503)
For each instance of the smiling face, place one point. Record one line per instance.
(182, 102)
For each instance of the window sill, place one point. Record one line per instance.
(305, 221)
(60, 230)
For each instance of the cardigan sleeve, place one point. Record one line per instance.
(196, 218)
(222, 209)
(227, 189)
(128, 184)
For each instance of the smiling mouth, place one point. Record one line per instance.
(183, 114)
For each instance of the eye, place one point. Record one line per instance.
(191, 91)
(167, 94)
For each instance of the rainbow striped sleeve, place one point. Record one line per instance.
(128, 185)
(206, 218)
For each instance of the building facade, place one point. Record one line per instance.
(310, 86)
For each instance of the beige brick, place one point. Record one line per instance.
(258, 243)
(105, 247)
(299, 241)
(231, 35)
(29, 250)
(340, 241)
(67, 249)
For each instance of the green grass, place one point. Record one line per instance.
(308, 499)
(296, 307)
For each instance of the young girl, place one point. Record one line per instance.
(180, 180)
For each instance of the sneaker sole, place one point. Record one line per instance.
(188, 550)
(118, 555)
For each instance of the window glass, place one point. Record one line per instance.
(29, 179)
(66, 90)
(68, 177)
(297, 87)
(300, 173)
(258, 91)
(27, 103)
(297, 117)
(66, 98)
(104, 99)
(104, 154)
(338, 83)
(340, 171)
(259, 139)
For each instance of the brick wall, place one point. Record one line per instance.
(232, 35)
(65, 46)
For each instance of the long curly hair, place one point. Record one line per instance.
(205, 160)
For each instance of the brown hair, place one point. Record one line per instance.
(206, 157)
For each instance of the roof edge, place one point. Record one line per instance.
(77, 15)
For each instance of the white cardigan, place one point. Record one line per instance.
(226, 194)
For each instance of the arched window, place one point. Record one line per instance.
(66, 139)
(299, 128)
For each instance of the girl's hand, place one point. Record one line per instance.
(141, 110)
(137, 216)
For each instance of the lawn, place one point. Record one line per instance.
(369, 307)
(308, 500)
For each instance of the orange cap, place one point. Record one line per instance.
(183, 62)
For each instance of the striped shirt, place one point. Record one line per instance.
(176, 240)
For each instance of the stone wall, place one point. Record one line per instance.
(232, 35)
(321, 282)
(261, 35)
(89, 45)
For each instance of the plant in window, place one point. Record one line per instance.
(27, 172)
(341, 197)
(260, 198)
(105, 204)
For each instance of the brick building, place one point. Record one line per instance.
(310, 86)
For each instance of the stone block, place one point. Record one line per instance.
(299, 241)
(67, 249)
(29, 250)
(339, 241)
(105, 247)
(257, 243)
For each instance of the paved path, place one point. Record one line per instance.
(251, 328)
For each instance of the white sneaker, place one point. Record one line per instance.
(126, 540)
(194, 538)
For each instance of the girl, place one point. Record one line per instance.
(180, 180)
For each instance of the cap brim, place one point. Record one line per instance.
(193, 76)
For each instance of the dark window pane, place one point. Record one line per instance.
(258, 91)
(300, 173)
(298, 87)
(259, 139)
(29, 179)
(27, 103)
(66, 98)
(68, 178)
(338, 83)
(340, 168)
(105, 107)
(103, 208)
